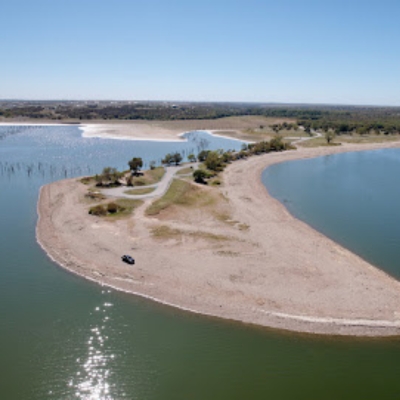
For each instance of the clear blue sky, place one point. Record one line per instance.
(297, 51)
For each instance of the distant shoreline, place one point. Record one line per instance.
(279, 273)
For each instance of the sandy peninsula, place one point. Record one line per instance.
(244, 258)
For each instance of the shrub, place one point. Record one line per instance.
(112, 208)
(200, 175)
(98, 210)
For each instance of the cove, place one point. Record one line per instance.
(352, 198)
(62, 337)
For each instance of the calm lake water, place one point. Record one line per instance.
(62, 337)
(353, 198)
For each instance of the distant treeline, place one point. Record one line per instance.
(340, 119)
(151, 111)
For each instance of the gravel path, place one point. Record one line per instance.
(160, 187)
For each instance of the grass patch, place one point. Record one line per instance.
(165, 232)
(87, 180)
(117, 208)
(149, 177)
(181, 193)
(140, 191)
(243, 227)
(94, 195)
(185, 171)
(356, 139)
(227, 219)
(368, 138)
(317, 142)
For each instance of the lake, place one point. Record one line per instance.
(62, 337)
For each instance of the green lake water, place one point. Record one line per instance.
(62, 337)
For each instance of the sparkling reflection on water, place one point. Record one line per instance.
(93, 371)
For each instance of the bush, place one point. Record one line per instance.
(112, 208)
(98, 210)
(199, 176)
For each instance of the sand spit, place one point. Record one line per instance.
(132, 131)
(278, 273)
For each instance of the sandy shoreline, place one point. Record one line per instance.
(133, 131)
(279, 273)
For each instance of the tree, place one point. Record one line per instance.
(227, 156)
(276, 128)
(172, 158)
(329, 136)
(135, 164)
(200, 176)
(191, 158)
(277, 144)
(203, 155)
(109, 176)
(176, 158)
(167, 159)
(214, 161)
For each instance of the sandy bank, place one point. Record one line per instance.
(131, 131)
(277, 273)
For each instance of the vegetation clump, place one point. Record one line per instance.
(99, 210)
(149, 177)
(201, 175)
(135, 165)
(109, 177)
(120, 207)
(174, 158)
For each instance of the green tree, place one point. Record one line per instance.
(200, 176)
(203, 155)
(329, 136)
(135, 165)
(109, 176)
(176, 158)
(191, 158)
(277, 144)
(168, 159)
(214, 161)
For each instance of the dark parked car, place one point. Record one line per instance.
(128, 259)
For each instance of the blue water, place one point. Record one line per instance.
(47, 153)
(353, 198)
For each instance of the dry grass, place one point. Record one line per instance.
(185, 171)
(356, 139)
(318, 142)
(140, 191)
(125, 208)
(367, 138)
(165, 232)
(87, 180)
(226, 218)
(94, 195)
(149, 177)
(227, 123)
(181, 193)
